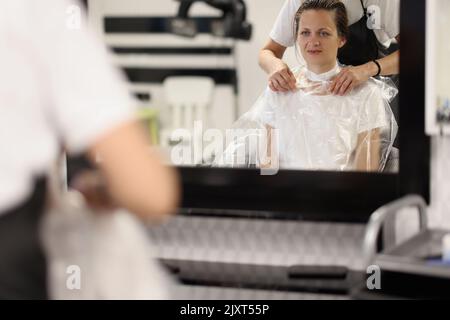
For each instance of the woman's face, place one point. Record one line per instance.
(318, 38)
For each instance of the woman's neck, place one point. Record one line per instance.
(323, 68)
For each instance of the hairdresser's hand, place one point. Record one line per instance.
(281, 78)
(92, 185)
(348, 79)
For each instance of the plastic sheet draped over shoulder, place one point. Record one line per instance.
(312, 129)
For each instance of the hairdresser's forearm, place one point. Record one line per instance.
(390, 65)
(270, 56)
(268, 60)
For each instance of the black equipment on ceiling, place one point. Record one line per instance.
(232, 24)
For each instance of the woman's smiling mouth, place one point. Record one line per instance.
(314, 52)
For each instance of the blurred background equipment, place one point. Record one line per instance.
(233, 23)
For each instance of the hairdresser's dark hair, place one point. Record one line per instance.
(336, 6)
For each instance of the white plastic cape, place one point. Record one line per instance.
(104, 256)
(312, 129)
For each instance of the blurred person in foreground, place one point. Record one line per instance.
(58, 90)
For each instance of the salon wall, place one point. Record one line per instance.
(252, 80)
(440, 183)
(439, 209)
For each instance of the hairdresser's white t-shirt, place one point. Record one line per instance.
(283, 30)
(56, 87)
(320, 132)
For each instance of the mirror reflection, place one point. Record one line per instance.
(304, 85)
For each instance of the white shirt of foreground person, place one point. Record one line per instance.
(320, 132)
(283, 29)
(55, 85)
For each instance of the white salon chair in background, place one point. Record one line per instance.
(189, 100)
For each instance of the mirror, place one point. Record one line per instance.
(137, 32)
(206, 102)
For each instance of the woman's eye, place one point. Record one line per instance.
(324, 34)
(304, 33)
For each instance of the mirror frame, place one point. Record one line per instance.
(329, 196)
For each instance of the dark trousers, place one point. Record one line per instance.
(22, 262)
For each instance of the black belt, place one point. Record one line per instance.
(22, 262)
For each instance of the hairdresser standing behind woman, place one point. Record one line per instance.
(373, 27)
